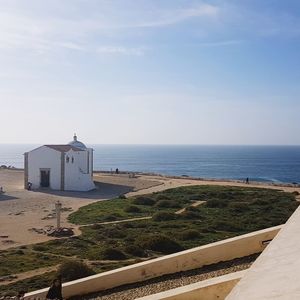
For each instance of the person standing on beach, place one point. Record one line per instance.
(55, 291)
(247, 180)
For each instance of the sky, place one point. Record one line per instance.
(150, 71)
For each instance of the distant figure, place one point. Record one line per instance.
(117, 171)
(55, 291)
(247, 180)
(29, 185)
(1, 189)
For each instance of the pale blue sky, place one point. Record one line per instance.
(150, 71)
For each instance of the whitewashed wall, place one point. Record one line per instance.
(78, 174)
(44, 158)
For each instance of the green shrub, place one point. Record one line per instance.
(216, 203)
(189, 234)
(97, 226)
(228, 226)
(167, 203)
(159, 243)
(296, 193)
(142, 200)
(112, 217)
(162, 197)
(260, 202)
(71, 270)
(239, 206)
(190, 215)
(192, 208)
(163, 216)
(134, 250)
(122, 196)
(39, 248)
(114, 233)
(132, 209)
(112, 254)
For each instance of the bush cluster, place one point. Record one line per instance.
(159, 243)
(167, 204)
(239, 206)
(142, 200)
(189, 234)
(71, 270)
(163, 216)
(135, 250)
(132, 209)
(216, 203)
(112, 254)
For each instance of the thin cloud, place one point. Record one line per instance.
(20, 30)
(137, 51)
(221, 43)
(177, 16)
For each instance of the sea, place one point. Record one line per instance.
(274, 164)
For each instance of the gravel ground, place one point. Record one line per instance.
(166, 282)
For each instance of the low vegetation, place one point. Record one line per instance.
(226, 212)
(22, 260)
(72, 269)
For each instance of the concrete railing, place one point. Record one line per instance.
(211, 289)
(225, 250)
(276, 272)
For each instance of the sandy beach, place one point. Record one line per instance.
(22, 210)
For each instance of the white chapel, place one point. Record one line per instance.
(60, 167)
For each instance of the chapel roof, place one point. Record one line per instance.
(77, 143)
(64, 148)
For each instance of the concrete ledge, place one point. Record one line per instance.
(276, 273)
(211, 289)
(225, 250)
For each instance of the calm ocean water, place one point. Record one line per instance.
(261, 163)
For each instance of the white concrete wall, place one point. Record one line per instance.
(240, 246)
(211, 289)
(44, 158)
(276, 273)
(78, 174)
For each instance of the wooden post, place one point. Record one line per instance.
(58, 211)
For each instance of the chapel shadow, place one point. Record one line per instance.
(5, 197)
(102, 191)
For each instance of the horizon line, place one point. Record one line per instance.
(158, 144)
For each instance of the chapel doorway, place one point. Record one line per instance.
(45, 178)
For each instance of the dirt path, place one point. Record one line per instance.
(116, 222)
(195, 204)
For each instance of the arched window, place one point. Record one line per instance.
(67, 159)
(72, 159)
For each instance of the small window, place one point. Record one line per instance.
(72, 159)
(67, 159)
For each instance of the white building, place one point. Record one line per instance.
(60, 167)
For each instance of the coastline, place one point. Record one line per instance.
(279, 184)
(212, 179)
